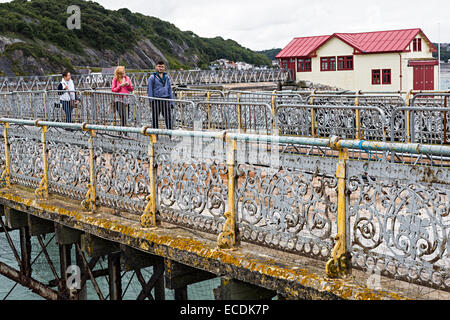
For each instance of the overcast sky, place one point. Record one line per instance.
(266, 24)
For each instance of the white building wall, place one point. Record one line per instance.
(333, 48)
(364, 64)
(360, 78)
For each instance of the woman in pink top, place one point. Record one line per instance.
(122, 85)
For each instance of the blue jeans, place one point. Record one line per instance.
(67, 110)
(164, 107)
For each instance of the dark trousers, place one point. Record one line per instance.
(67, 110)
(122, 110)
(164, 107)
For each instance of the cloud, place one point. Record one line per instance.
(264, 24)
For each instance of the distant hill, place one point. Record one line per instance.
(271, 53)
(34, 39)
(445, 51)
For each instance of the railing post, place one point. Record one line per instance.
(6, 174)
(148, 219)
(358, 120)
(42, 192)
(227, 239)
(32, 116)
(239, 113)
(445, 120)
(313, 115)
(208, 97)
(180, 97)
(91, 197)
(93, 107)
(339, 265)
(408, 117)
(274, 102)
(45, 106)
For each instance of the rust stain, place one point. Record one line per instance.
(338, 287)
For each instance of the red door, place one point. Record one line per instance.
(290, 65)
(292, 68)
(423, 78)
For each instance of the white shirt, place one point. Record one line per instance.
(67, 96)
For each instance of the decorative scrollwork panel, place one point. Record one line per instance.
(25, 155)
(68, 159)
(30, 105)
(288, 209)
(430, 127)
(328, 120)
(7, 106)
(400, 226)
(294, 121)
(226, 115)
(191, 184)
(122, 173)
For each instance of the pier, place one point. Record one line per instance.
(286, 195)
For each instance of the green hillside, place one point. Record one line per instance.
(36, 24)
(271, 53)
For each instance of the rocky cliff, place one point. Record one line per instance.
(34, 40)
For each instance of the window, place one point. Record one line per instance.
(345, 63)
(376, 76)
(381, 76)
(417, 45)
(304, 65)
(284, 64)
(328, 64)
(387, 76)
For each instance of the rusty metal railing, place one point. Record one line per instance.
(350, 213)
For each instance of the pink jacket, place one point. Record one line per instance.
(118, 89)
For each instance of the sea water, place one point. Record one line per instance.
(42, 272)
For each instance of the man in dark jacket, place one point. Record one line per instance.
(159, 86)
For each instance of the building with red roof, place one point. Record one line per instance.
(396, 60)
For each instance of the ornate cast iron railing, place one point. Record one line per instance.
(188, 77)
(301, 195)
(358, 116)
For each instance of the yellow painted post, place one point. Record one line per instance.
(91, 197)
(227, 238)
(313, 115)
(148, 219)
(408, 117)
(6, 174)
(339, 265)
(239, 112)
(274, 102)
(42, 192)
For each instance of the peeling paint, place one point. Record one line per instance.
(159, 243)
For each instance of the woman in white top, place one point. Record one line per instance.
(66, 97)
